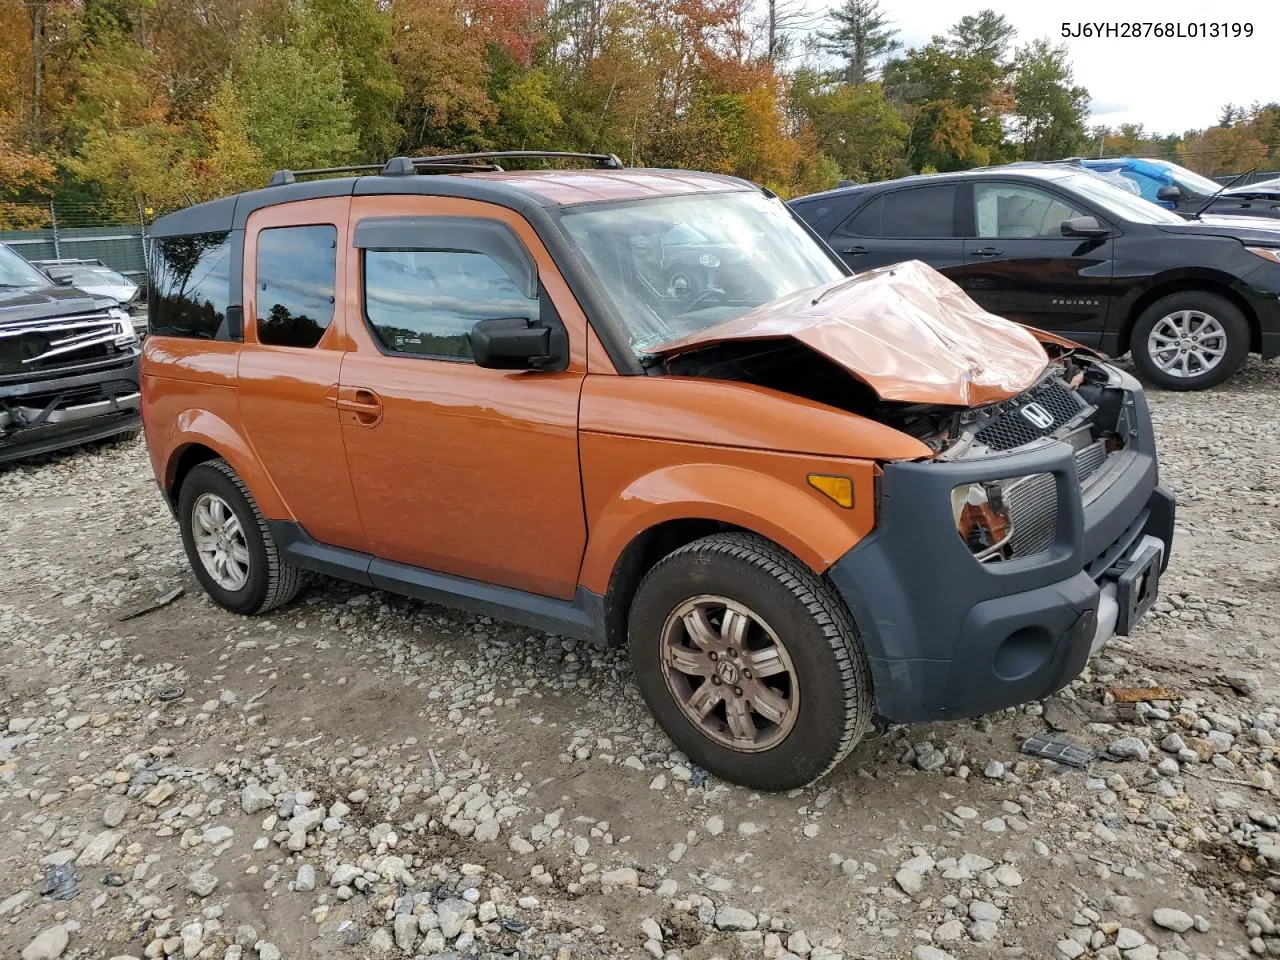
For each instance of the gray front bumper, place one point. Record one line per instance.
(947, 636)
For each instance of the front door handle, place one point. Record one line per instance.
(363, 404)
(988, 252)
(853, 251)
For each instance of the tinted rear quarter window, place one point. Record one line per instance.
(190, 285)
(296, 272)
(920, 212)
(865, 221)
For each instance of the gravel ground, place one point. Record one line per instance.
(362, 775)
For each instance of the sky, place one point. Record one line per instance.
(1169, 86)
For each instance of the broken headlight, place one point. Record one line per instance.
(982, 520)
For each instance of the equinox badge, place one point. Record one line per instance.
(1037, 416)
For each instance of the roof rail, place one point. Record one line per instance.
(398, 166)
(448, 163)
(281, 177)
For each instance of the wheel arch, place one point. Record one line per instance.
(1216, 284)
(628, 540)
(202, 436)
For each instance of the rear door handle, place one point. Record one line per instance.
(363, 404)
(988, 252)
(853, 251)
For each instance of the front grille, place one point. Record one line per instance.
(1032, 503)
(1011, 428)
(30, 346)
(1090, 460)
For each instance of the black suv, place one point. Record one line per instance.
(1060, 249)
(68, 364)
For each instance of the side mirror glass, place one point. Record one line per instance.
(512, 343)
(1169, 193)
(1083, 227)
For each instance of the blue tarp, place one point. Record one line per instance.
(1148, 175)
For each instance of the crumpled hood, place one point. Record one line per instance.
(906, 331)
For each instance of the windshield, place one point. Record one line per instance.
(1119, 203)
(16, 272)
(1191, 181)
(673, 266)
(91, 276)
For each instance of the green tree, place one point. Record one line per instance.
(360, 32)
(956, 93)
(985, 34)
(1050, 110)
(863, 37)
(295, 103)
(528, 118)
(853, 124)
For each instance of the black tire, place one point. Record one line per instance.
(834, 685)
(1234, 326)
(128, 436)
(271, 581)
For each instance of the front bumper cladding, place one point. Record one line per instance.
(949, 637)
(64, 425)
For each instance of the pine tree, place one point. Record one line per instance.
(864, 37)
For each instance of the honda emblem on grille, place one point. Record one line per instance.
(1037, 416)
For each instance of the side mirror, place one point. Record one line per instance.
(64, 281)
(1169, 193)
(512, 343)
(1083, 227)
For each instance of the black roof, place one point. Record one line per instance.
(230, 213)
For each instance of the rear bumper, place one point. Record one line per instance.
(949, 637)
(40, 416)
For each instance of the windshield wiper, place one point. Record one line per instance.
(1225, 186)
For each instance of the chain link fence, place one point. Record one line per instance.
(1256, 177)
(115, 234)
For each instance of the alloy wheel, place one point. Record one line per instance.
(1187, 343)
(220, 541)
(730, 673)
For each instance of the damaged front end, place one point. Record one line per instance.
(1032, 530)
(65, 379)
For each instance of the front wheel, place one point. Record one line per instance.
(750, 662)
(1189, 341)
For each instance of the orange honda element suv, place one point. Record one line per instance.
(649, 407)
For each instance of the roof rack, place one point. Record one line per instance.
(448, 163)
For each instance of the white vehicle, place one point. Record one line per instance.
(95, 277)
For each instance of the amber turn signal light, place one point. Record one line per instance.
(839, 489)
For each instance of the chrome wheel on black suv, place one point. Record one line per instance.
(1189, 341)
(750, 662)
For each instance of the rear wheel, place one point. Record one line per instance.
(1189, 341)
(228, 542)
(750, 662)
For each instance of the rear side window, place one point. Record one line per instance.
(296, 272)
(425, 302)
(921, 212)
(190, 285)
(866, 221)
